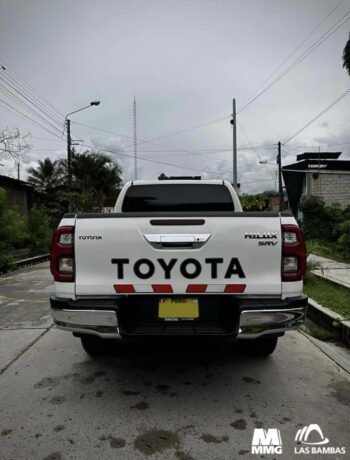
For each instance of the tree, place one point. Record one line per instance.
(253, 202)
(346, 56)
(47, 176)
(13, 144)
(94, 175)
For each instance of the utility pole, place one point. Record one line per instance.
(69, 162)
(19, 171)
(69, 147)
(234, 144)
(280, 187)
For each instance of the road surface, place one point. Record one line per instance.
(158, 400)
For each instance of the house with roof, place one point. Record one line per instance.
(319, 174)
(19, 194)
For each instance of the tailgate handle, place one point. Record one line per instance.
(181, 241)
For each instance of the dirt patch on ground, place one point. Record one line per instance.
(141, 406)
(155, 441)
(341, 391)
(239, 424)
(54, 456)
(180, 455)
(210, 439)
(47, 382)
(117, 443)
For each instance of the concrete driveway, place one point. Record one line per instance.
(159, 400)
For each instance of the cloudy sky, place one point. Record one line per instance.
(184, 60)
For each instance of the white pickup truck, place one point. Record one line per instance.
(178, 258)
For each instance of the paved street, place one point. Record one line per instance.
(188, 400)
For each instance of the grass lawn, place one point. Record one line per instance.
(328, 249)
(328, 294)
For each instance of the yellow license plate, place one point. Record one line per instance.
(178, 309)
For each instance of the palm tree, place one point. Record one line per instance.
(94, 173)
(346, 56)
(46, 176)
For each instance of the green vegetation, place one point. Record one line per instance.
(328, 249)
(30, 235)
(328, 294)
(254, 202)
(95, 176)
(326, 228)
(39, 231)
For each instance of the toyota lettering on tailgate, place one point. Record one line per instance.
(189, 268)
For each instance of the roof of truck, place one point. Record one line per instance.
(175, 181)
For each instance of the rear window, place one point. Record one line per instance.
(177, 197)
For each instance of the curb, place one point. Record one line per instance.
(330, 320)
(26, 263)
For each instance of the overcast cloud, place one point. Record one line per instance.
(184, 60)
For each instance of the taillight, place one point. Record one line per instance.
(293, 253)
(62, 254)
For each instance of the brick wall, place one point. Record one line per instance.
(333, 188)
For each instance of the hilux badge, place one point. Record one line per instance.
(264, 239)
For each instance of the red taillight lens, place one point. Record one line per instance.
(294, 253)
(62, 254)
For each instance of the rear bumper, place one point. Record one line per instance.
(241, 318)
(103, 323)
(256, 323)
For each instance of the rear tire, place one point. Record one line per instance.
(93, 345)
(263, 346)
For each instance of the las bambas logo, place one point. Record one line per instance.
(312, 441)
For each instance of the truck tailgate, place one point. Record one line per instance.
(238, 255)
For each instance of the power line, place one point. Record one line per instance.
(20, 114)
(24, 94)
(176, 133)
(169, 149)
(12, 97)
(248, 140)
(29, 93)
(184, 151)
(6, 85)
(24, 84)
(124, 135)
(319, 115)
(48, 140)
(148, 159)
(312, 48)
(294, 51)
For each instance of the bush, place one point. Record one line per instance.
(39, 231)
(5, 249)
(14, 228)
(344, 238)
(18, 232)
(320, 221)
(253, 202)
